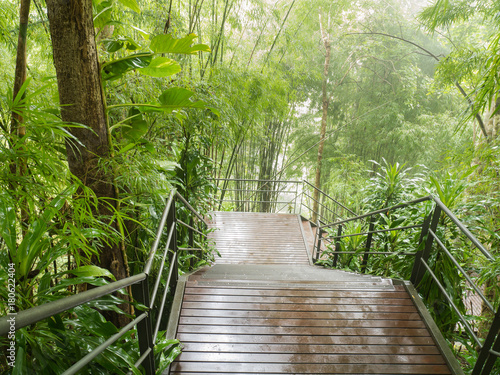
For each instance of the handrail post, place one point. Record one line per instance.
(371, 228)
(191, 240)
(337, 246)
(301, 198)
(171, 220)
(418, 270)
(296, 197)
(418, 255)
(140, 292)
(486, 360)
(319, 233)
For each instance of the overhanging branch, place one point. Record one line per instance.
(429, 53)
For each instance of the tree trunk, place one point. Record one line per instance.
(82, 102)
(21, 63)
(18, 130)
(326, 102)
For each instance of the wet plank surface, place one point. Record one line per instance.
(258, 238)
(296, 319)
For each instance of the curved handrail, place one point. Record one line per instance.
(248, 198)
(37, 313)
(147, 336)
(484, 363)
(326, 195)
(381, 211)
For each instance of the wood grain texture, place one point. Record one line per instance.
(258, 238)
(275, 318)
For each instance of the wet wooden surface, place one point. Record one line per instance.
(258, 238)
(296, 319)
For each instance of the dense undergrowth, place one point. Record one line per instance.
(465, 188)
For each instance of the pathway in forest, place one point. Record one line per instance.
(262, 309)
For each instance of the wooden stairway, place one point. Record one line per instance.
(265, 318)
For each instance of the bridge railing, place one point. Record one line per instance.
(144, 291)
(285, 196)
(424, 272)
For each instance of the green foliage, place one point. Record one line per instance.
(146, 62)
(475, 65)
(165, 43)
(239, 110)
(391, 184)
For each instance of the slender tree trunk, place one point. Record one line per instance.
(277, 36)
(326, 102)
(18, 130)
(82, 102)
(21, 64)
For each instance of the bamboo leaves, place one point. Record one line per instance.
(35, 241)
(8, 224)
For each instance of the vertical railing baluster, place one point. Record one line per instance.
(368, 245)
(418, 269)
(140, 293)
(319, 233)
(337, 246)
(485, 360)
(191, 241)
(171, 220)
(490, 362)
(301, 198)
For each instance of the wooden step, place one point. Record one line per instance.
(276, 314)
(258, 238)
(255, 330)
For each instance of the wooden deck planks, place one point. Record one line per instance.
(297, 331)
(258, 238)
(279, 319)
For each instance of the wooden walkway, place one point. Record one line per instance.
(278, 315)
(258, 238)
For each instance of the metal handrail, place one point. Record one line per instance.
(321, 204)
(381, 211)
(146, 335)
(257, 180)
(484, 363)
(250, 201)
(375, 231)
(464, 229)
(35, 314)
(326, 195)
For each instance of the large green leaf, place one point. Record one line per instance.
(115, 69)
(91, 270)
(103, 13)
(111, 45)
(132, 4)
(165, 43)
(170, 100)
(178, 97)
(136, 127)
(161, 67)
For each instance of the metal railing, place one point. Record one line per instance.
(489, 347)
(147, 329)
(292, 196)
